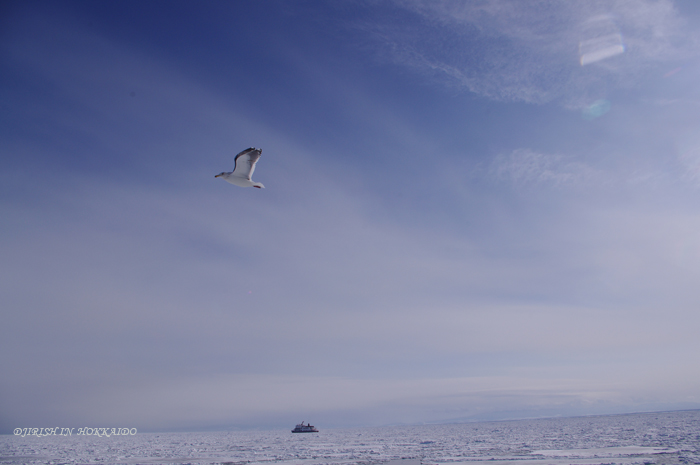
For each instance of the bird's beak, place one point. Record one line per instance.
(217, 175)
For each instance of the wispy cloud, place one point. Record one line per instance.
(688, 149)
(414, 289)
(524, 166)
(536, 51)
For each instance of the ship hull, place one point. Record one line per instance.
(304, 428)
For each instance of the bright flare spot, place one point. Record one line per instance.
(596, 109)
(600, 48)
(600, 39)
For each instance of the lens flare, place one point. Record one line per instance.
(600, 39)
(673, 71)
(596, 109)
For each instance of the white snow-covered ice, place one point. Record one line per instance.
(635, 439)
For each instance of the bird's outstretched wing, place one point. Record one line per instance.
(245, 162)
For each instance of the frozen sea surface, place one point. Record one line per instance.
(649, 438)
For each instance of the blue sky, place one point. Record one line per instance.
(478, 210)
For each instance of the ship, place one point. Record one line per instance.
(304, 428)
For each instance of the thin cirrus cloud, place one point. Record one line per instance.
(524, 166)
(536, 52)
(430, 257)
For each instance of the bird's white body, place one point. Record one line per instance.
(243, 169)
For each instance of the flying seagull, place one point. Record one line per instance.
(243, 169)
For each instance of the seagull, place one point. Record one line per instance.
(243, 168)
